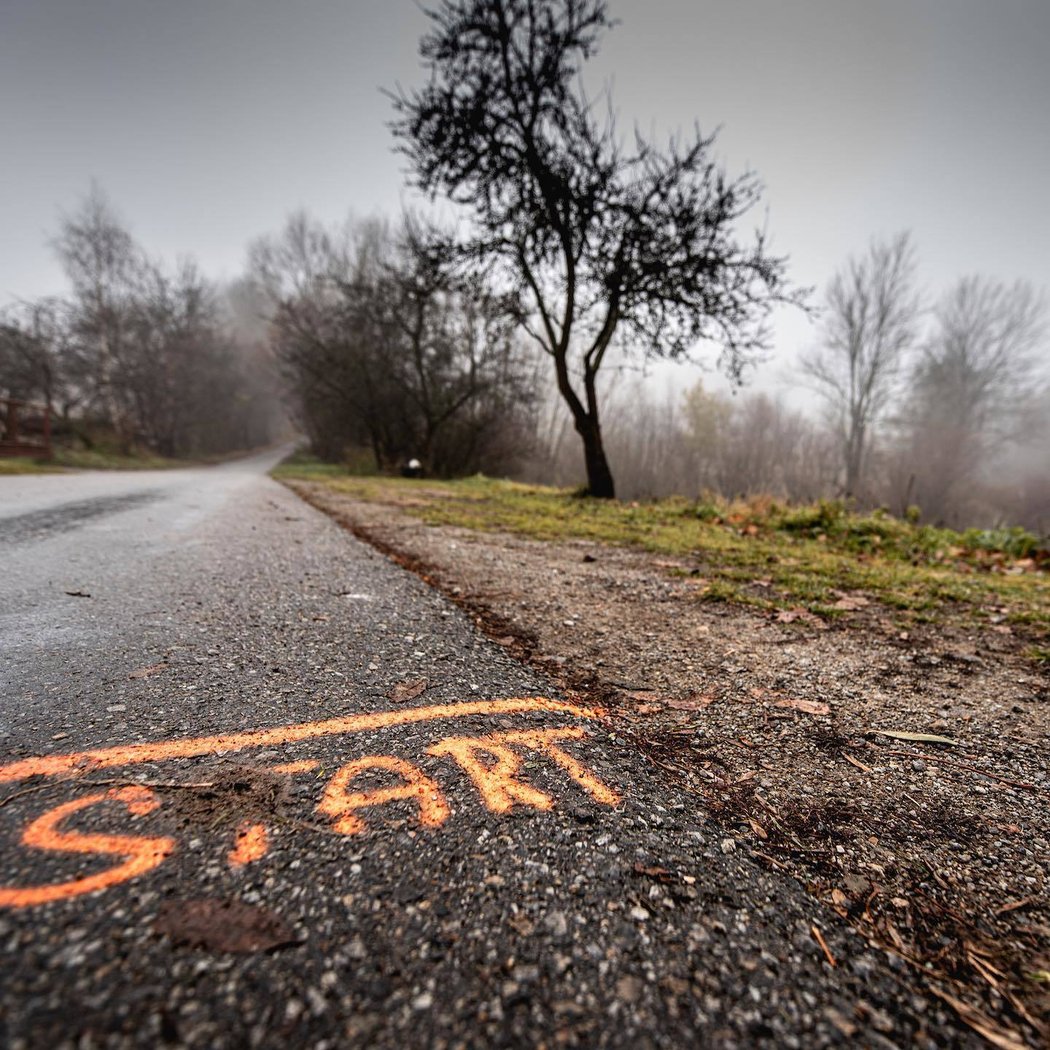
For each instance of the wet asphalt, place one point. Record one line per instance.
(263, 839)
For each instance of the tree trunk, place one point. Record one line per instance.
(600, 483)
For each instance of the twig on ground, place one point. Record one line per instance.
(962, 765)
(856, 762)
(819, 938)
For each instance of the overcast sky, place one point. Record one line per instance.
(207, 121)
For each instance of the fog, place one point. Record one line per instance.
(203, 126)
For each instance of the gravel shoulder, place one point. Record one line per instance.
(773, 728)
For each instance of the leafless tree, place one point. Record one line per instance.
(38, 359)
(389, 349)
(871, 321)
(100, 257)
(153, 360)
(597, 242)
(975, 376)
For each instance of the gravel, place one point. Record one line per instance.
(936, 855)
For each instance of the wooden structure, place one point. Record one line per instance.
(25, 429)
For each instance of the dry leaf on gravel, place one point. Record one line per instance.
(150, 671)
(658, 873)
(757, 828)
(923, 738)
(223, 926)
(801, 616)
(809, 707)
(1004, 1038)
(693, 702)
(851, 602)
(407, 690)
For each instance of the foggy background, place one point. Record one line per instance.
(206, 124)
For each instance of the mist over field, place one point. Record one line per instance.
(524, 523)
(222, 224)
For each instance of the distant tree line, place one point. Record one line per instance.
(387, 349)
(577, 252)
(147, 355)
(941, 408)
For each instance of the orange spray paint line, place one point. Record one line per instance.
(193, 747)
(252, 843)
(307, 765)
(341, 804)
(496, 782)
(143, 854)
(543, 740)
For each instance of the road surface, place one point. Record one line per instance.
(261, 787)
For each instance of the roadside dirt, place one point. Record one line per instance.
(776, 725)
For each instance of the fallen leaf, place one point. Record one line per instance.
(856, 762)
(660, 874)
(757, 828)
(922, 738)
(150, 671)
(223, 926)
(810, 707)
(1003, 1038)
(693, 702)
(407, 690)
(850, 603)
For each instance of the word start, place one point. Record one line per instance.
(492, 763)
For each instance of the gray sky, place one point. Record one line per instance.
(207, 121)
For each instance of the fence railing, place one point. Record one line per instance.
(25, 428)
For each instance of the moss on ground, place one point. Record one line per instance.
(822, 558)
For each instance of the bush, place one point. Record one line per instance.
(1014, 542)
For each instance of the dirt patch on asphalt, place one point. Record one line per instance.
(777, 726)
(230, 794)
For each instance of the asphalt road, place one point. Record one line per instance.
(260, 787)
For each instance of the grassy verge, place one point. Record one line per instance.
(106, 460)
(820, 559)
(20, 465)
(94, 459)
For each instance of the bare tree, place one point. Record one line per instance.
(388, 349)
(870, 323)
(100, 258)
(146, 347)
(974, 378)
(596, 241)
(38, 360)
